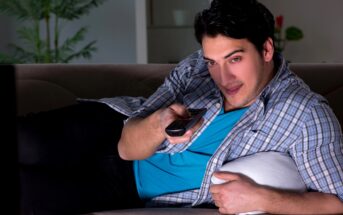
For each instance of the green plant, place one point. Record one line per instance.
(291, 33)
(42, 30)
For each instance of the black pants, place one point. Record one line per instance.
(69, 162)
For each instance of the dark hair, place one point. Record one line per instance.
(237, 19)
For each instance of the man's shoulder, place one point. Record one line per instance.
(293, 106)
(193, 63)
(193, 58)
(294, 95)
(287, 87)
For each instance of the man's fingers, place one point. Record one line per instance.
(181, 139)
(216, 199)
(186, 137)
(215, 189)
(228, 176)
(197, 125)
(179, 109)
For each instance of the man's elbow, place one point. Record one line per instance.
(123, 151)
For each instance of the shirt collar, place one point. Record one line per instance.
(281, 66)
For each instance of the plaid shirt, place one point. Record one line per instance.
(286, 117)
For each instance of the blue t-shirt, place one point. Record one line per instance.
(169, 173)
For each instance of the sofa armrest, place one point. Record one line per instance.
(36, 95)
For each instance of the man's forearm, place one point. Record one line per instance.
(140, 138)
(302, 203)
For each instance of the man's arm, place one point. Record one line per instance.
(131, 146)
(241, 194)
(303, 203)
(141, 137)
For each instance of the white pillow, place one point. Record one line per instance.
(273, 169)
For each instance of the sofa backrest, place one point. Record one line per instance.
(47, 86)
(325, 79)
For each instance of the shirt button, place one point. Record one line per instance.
(218, 105)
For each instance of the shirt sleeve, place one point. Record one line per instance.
(173, 88)
(171, 91)
(319, 151)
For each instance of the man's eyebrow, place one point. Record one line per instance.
(234, 52)
(226, 56)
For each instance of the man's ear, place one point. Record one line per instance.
(268, 50)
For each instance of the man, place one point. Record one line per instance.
(254, 104)
(278, 113)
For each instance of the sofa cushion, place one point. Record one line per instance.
(267, 168)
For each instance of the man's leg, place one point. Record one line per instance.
(70, 163)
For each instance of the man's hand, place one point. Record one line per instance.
(241, 194)
(171, 113)
(141, 137)
(238, 194)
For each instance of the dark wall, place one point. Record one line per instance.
(9, 162)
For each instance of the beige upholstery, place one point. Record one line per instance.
(47, 86)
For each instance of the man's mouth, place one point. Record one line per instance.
(233, 90)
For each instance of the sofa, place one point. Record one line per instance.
(46, 86)
(41, 87)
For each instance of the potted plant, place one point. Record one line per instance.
(44, 17)
(291, 33)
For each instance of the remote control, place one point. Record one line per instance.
(180, 126)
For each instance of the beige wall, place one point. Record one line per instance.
(113, 24)
(322, 23)
(320, 20)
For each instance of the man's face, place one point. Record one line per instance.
(238, 69)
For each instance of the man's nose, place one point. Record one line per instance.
(226, 75)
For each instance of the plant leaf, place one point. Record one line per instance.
(31, 40)
(8, 59)
(34, 11)
(13, 8)
(294, 33)
(67, 50)
(24, 9)
(69, 43)
(85, 52)
(73, 9)
(19, 55)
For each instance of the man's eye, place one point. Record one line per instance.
(210, 63)
(235, 59)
